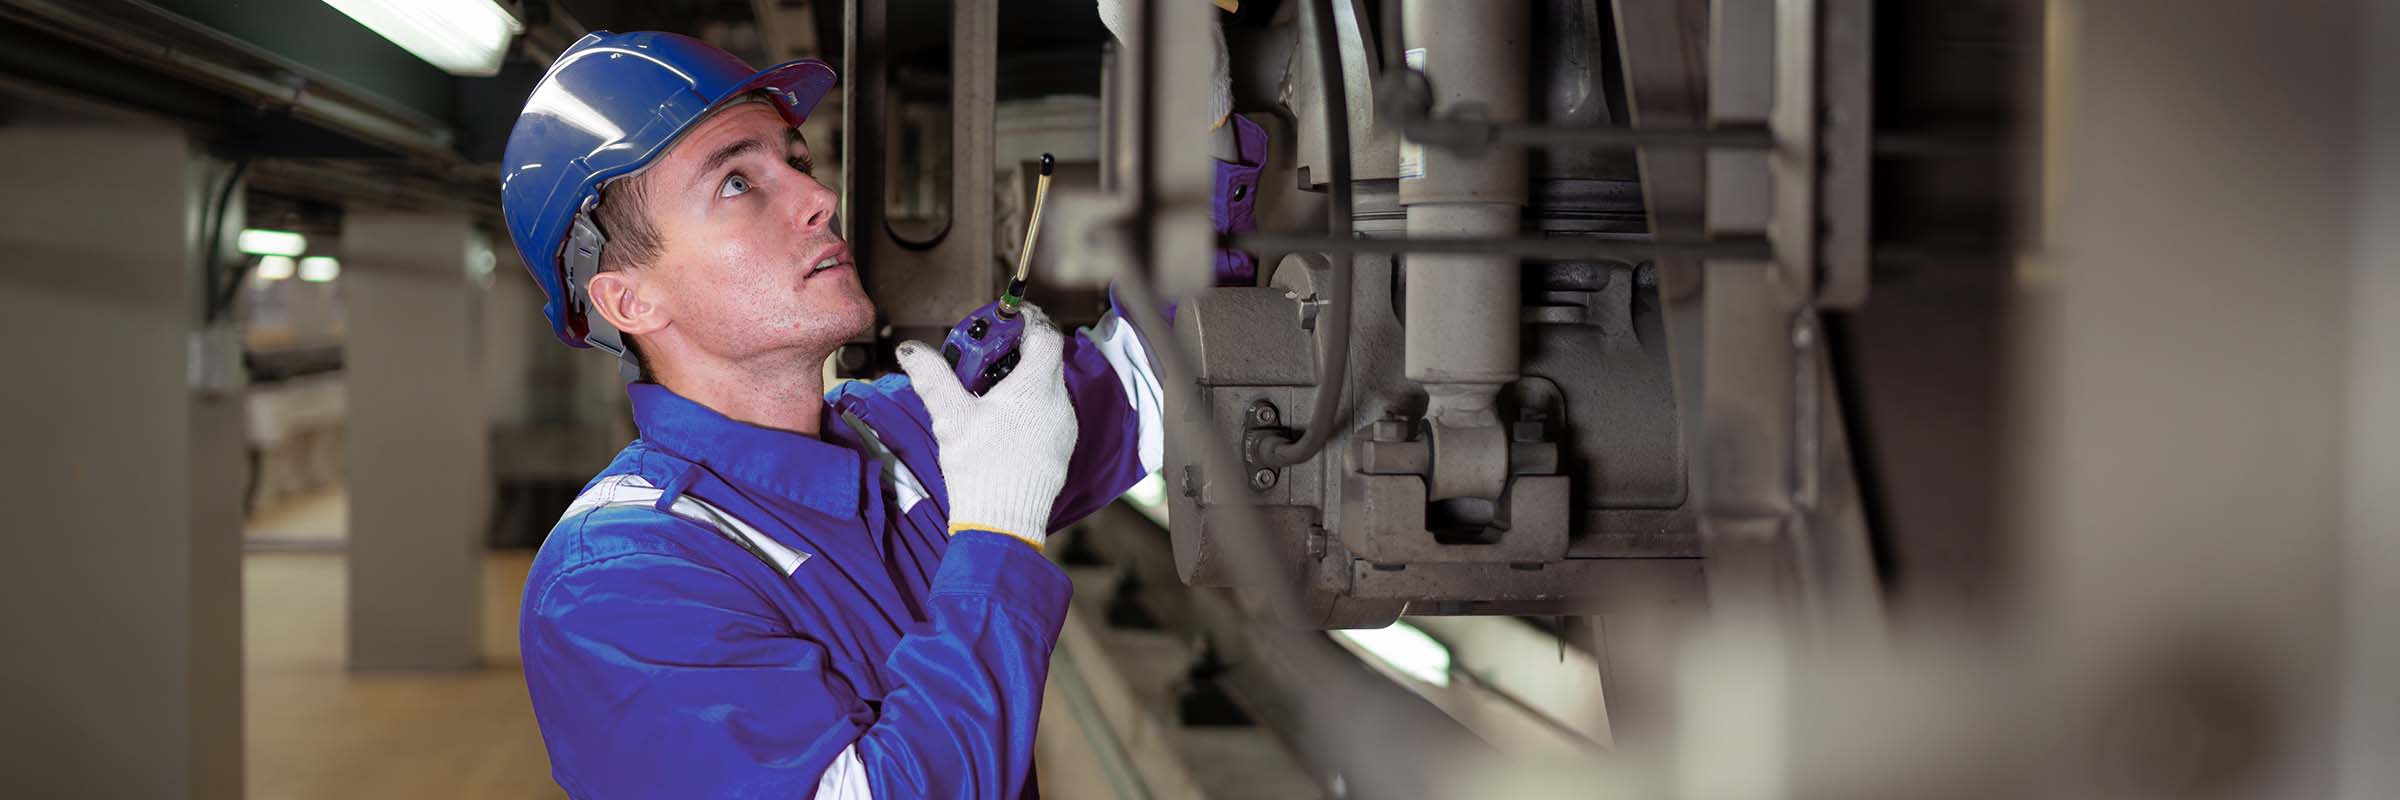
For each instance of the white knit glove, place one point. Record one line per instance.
(1003, 455)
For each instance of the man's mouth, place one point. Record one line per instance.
(836, 257)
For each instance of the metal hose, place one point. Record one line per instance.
(1333, 323)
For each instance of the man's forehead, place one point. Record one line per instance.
(743, 120)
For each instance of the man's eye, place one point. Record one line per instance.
(801, 163)
(734, 185)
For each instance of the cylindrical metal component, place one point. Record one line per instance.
(1478, 57)
(1461, 309)
(1470, 446)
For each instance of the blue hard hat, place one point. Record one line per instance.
(608, 106)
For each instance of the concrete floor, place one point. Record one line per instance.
(318, 520)
(315, 729)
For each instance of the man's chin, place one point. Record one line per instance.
(859, 317)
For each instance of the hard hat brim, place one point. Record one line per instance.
(796, 86)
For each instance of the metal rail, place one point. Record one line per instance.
(1563, 249)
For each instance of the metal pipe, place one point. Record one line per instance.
(1468, 133)
(401, 130)
(1751, 248)
(1333, 321)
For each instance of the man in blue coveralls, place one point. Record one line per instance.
(777, 591)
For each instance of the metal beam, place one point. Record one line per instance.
(1296, 682)
(1557, 249)
(144, 34)
(921, 286)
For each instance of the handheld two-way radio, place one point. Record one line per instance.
(983, 347)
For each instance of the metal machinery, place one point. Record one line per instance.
(1487, 400)
(1569, 388)
(1558, 351)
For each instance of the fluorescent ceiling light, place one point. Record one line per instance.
(462, 37)
(274, 268)
(319, 269)
(261, 242)
(1403, 649)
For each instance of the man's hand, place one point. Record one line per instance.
(1004, 455)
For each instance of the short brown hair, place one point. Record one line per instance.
(633, 241)
(624, 218)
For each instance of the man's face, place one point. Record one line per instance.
(748, 235)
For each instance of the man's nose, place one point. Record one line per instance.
(817, 207)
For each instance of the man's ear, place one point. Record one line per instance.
(624, 299)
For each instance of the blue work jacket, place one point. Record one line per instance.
(736, 611)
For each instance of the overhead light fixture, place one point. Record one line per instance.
(274, 268)
(467, 38)
(319, 269)
(1402, 648)
(262, 242)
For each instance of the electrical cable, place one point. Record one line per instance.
(1333, 323)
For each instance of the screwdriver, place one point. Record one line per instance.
(983, 347)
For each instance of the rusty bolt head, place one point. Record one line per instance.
(1263, 413)
(1262, 480)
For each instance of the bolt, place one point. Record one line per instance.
(1263, 414)
(1529, 431)
(1391, 430)
(1316, 542)
(1263, 479)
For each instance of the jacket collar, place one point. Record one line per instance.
(801, 469)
